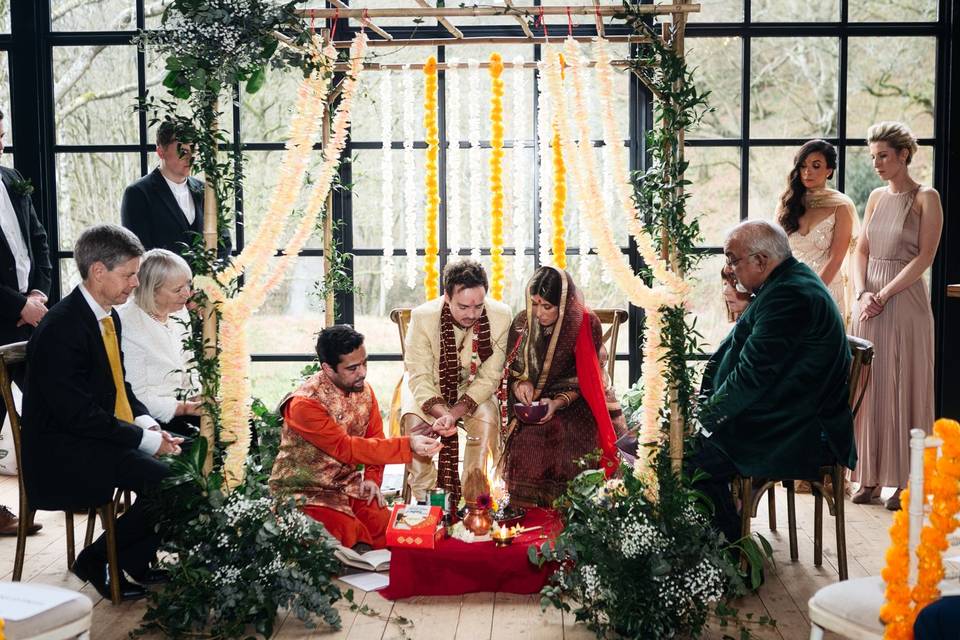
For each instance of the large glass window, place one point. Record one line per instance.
(779, 73)
(799, 80)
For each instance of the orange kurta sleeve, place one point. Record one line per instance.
(375, 431)
(311, 421)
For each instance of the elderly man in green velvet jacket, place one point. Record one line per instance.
(775, 394)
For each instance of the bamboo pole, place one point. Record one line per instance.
(519, 18)
(329, 299)
(210, 237)
(447, 42)
(446, 24)
(377, 30)
(446, 66)
(677, 426)
(480, 12)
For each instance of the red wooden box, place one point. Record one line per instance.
(417, 526)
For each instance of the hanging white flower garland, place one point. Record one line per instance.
(476, 162)
(639, 294)
(645, 245)
(409, 182)
(610, 197)
(518, 175)
(454, 156)
(387, 203)
(544, 135)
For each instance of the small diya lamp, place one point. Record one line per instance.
(503, 536)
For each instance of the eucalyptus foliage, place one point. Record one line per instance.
(639, 564)
(238, 556)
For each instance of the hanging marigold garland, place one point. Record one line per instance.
(583, 162)
(431, 275)
(263, 274)
(941, 478)
(496, 176)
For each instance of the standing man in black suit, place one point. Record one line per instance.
(24, 280)
(85, 434)
(165, 207)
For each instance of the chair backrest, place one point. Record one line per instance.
(862, 352)
(610, 321)
(401, 316)
(10, 355)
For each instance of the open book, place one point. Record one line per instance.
(376, 560)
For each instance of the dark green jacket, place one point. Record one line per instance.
(777, 385)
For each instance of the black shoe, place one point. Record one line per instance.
(97, 574)
(151, 576)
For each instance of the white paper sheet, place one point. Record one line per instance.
(369, 581)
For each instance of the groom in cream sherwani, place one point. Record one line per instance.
(453, 360)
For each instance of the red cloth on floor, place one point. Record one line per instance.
(369, 525)
(457, 567)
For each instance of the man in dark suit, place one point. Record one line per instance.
(776, 391)
(85, 434)
(165, 207)
(24, 280)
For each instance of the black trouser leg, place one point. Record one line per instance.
(713, 461)
(137, 540)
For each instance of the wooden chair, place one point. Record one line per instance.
(862, 352)
(13, 354)
(851, 609)
(610, 321)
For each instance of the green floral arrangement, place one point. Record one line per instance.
(213, 44)
(643, 566)
(238, 557)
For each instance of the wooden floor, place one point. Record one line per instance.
(783, 596)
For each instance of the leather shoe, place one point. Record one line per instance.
(9, 523)
(151, 576)
(97, 574)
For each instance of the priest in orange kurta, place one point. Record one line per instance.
(332, 446)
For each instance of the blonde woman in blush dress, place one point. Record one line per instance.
(821, 223)
(902, 225)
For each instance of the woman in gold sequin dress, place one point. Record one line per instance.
(821, 223)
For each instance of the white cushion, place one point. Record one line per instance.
(852, 607)
(66, 614)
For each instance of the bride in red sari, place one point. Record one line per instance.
(554, 358)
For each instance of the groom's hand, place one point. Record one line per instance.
(445, 426)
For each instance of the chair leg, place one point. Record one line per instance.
(792, 518)
(840, 520)
(746, 499)
(113, 562)
(816, 633)
(26, 517)
(71, 547)
(817, 528)
(772, 507)
(91, 523)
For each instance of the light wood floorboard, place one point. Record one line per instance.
(783, 596)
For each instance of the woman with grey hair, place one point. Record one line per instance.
(155, 323)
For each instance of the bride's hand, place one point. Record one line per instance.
(523, 391)
(553, 404)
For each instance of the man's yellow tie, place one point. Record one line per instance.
(121, 407)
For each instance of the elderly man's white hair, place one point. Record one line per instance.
(760, 236)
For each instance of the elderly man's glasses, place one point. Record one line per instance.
(735, 261)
